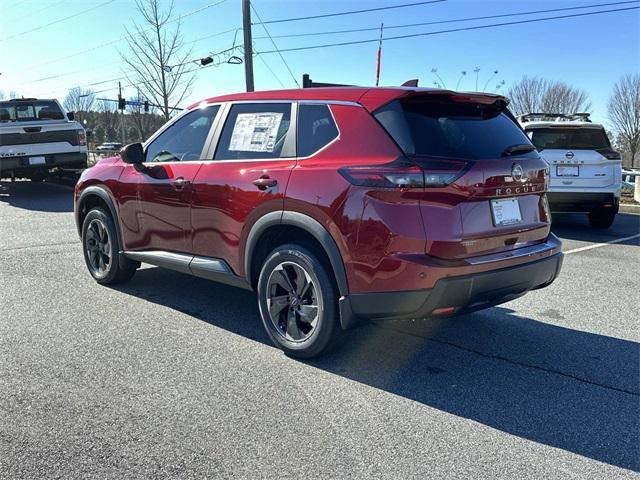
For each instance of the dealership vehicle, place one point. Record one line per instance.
(585, 171)
(109, 147)
(38, 139)
(629, 180)
(336, 205)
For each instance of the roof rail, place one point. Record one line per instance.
(554, 117)
(308, 83)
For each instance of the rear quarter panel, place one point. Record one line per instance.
(369, 226)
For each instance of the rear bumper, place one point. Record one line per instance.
(580, 201)
(20, 165)
(466, 293)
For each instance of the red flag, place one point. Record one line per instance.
(379, 56)
(378, 67)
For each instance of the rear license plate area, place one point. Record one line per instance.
(567, 170)
(37, 161)
(506, 211)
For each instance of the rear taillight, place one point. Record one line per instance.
(392, 175)
(82, 138)
(609, 154)
(404, 173)
(440, 173)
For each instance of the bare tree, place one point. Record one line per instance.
(526, 95)
(79, 100)
(157, 58)
(560, 97)
(144, 123)
(535, 94)
(624, 113)
(109, 120)
(12, 94)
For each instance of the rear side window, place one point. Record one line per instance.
(316, 129)
(450, 130)
(581, 138)
(255, 131)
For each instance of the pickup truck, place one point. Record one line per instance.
(38, 139)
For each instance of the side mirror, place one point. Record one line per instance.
(71, 116)
(132, 154)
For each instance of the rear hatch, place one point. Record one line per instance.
(580, 156)
(37, 127)
(484, 182)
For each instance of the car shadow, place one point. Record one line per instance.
(557, 386)
(38, 196)
(575, 226)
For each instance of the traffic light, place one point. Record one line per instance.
(121, 102)
(146, 106)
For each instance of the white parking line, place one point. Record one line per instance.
(598, 245)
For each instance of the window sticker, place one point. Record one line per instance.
(255, 132)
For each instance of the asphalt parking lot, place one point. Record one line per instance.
(171, 376)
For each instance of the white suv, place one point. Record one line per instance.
(586, 173)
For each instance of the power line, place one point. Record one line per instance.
(40, 27)
(111, 42)
(352, 12)
(477, 27)
(270, 69)
(31, 13)
(141, 83)
(275, 46)
(66, 74)
(438, 22)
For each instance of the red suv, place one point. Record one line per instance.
(335, 204)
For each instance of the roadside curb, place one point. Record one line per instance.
(628, 208)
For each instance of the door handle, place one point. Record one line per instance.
(179, 183)
(265, 182)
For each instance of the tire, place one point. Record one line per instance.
(602, 218)
(292, 287)
(100, 245)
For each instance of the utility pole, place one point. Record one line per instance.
(121, 113)
(248, 48)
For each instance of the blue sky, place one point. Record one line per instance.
(590, 52)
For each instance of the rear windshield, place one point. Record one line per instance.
(569, 138)
(453, 130)
(22, 111)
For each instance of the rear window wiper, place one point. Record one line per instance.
(518, 149)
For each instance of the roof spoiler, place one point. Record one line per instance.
(554, 117)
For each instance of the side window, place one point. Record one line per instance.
(254, 131)
(316, 128)
(184, 139)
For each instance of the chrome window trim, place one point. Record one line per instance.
(330, 102)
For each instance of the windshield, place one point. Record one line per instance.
(569, 138)
(25, 111)
(454, 130)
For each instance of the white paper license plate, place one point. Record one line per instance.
(506, 211)
(36, 161)
(568, 170)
